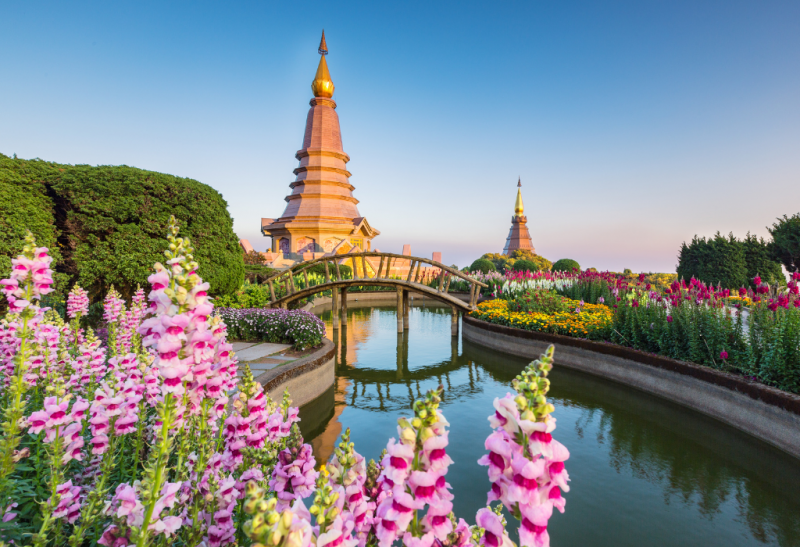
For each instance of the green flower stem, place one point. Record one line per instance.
(162, 458)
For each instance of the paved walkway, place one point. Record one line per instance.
(261, 356)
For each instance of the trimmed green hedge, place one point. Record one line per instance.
(482, 265)
(108, 222)
(566, 265)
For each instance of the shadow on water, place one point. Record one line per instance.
(644, 471)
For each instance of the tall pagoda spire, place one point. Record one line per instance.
(321, 215)
(518, 237)
(322, 86)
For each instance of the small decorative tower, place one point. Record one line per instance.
(321, 214)
(518, 236)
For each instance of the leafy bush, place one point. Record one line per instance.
(538, 301)
(253, 258)
(506, 262)
(105, 223)
(257, 273)
(297, 327)
(249, 295)
(566, 265)
(785, 244)
(482, 265)
(525, 266)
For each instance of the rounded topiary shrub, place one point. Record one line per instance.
(525, 266)
(566, 265)
(482, 265)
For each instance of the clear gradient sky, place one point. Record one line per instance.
(634, 125)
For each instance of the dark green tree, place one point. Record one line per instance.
(759, 261)
(718, 260)
(785, 244)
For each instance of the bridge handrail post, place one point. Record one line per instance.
(380, 268)
(338, 273)
(364, 265)
(411, 271)
(441, 280)
(327, 272)
(271, 291)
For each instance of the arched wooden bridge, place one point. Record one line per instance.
(299, 282)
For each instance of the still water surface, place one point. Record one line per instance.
(644, 471)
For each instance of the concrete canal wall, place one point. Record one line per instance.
(769, 414)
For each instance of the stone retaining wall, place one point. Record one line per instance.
(306, 379)
(767, 413)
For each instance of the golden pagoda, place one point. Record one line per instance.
(518, 236)
(321, 216)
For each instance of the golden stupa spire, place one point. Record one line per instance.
(322, 86)
(518, 207)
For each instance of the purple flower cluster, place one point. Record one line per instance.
(297, 327)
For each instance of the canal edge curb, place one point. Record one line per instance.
(761, 411)
(306, 378)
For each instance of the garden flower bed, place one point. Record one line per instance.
(591, 321)
(687, 321)
(299, 328)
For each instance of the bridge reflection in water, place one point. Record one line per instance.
(644, 471)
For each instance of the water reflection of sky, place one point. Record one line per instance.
(644, 471)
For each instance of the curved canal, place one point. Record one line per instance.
(644, 471)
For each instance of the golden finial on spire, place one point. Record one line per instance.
(518, 207)
(322, 86)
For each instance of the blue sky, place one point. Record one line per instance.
(634, 125)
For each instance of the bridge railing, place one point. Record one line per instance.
(284, 284)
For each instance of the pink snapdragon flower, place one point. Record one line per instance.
(494, 534)
(69, 503)
(58, 421)
(113, 306)
(525, 463)
(77, 302)
(293, 476)
(30, 271)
